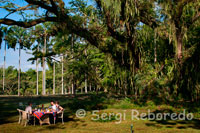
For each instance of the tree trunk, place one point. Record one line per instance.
(54, 78)
(90, 87)
(19, 70)
(72, 92)
(133, 52)
(179, 46)
(62, 59)
(37, 91)
(86, 74)
(72, 59)
(4, 67)
(86, 83)
(155, 49)
(44, 67)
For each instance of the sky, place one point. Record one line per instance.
(12, 56)
(12, 59)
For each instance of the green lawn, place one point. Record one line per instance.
(9, 116)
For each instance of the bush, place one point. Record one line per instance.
(126, 103)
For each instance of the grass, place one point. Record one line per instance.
(106, 105)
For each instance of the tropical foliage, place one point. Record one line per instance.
(143, 48)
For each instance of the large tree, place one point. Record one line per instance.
(110, 27)
(114, 26)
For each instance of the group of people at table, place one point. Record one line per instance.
(54, 109)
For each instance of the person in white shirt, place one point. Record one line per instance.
(53, 106)
(29, 108)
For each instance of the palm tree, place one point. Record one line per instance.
(3, 34)
(54, 66)
(37, 90)
(86, 74)
(36, 32)
(1, 38)
(44, 65)
(4, 66)
(62, 60)
(17, 35)
(61, 48)
(41, 36)
(72, 42)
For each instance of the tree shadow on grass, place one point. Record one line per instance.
(70, 103)
(51, 127)
(172, 123)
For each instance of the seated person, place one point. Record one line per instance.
(59, 109)
(29, 110)
(53, 106)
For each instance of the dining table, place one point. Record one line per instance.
(44, 116)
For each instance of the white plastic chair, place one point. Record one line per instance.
(25, 117)
(20, 115)
(61, 115)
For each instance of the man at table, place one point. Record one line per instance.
(53, 106)
(29, 108)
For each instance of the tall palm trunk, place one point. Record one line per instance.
(66, 91)
(155, 48)
(19, 72)
(4, 66)
(62, 59)
(37, 86)
(72, 92)
(54, 78)
(44, 67)
(86, 75)
(90, 87)
(72, 58)
(86, 83)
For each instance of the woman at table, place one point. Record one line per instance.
(59, 109)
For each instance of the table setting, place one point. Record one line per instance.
(42, 114)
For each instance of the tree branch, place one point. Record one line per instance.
(112, 31)
(29, 23)
(109, 25)
(11, 11)
(42, 5)
(54, 6)
(151, 22)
